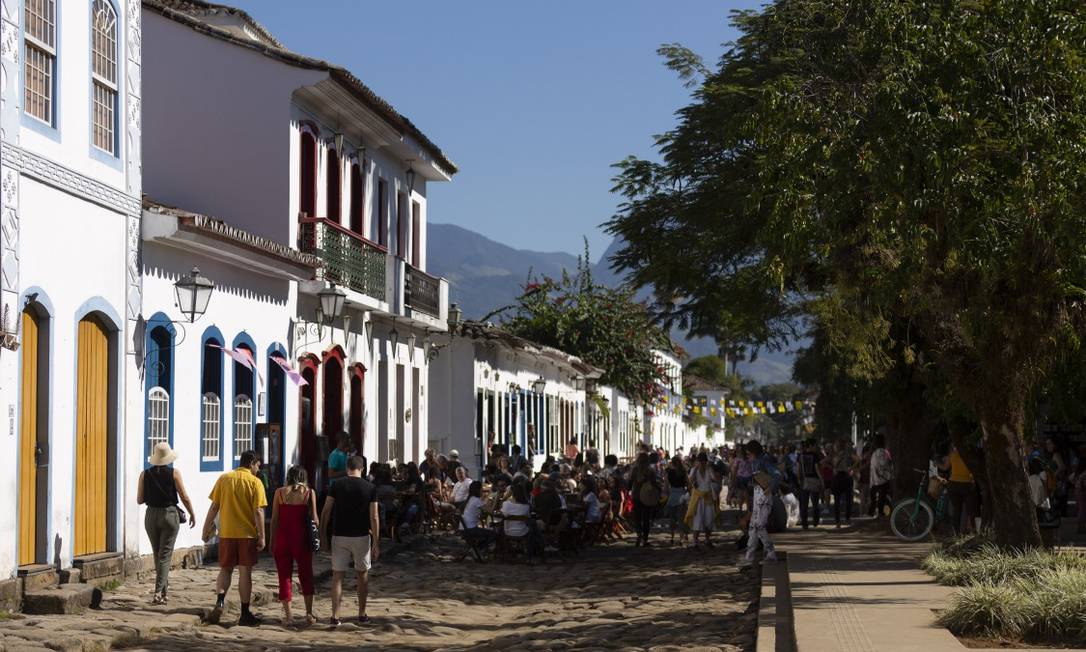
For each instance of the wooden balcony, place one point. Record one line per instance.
(422, 292)
(350, 260)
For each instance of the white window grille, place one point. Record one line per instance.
(243, 425)
(158, 417)
(40, 54)
(104, 75)
(211, 429)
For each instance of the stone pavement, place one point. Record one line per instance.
(613, 597)
(863, 591)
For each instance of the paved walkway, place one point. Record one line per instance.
(862, 591)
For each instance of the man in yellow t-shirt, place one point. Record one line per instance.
(962, 491)
(238, 500)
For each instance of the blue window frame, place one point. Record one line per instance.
(211, 405)
(158, 383)
(243, 405)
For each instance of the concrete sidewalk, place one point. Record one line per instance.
(855, 591)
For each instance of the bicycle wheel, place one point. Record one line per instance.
(911, 521)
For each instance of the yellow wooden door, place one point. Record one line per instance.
(92, 394)
(28, 442)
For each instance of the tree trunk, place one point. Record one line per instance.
(973, 456)
(911, 432)
(1014, 517)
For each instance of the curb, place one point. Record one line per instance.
(776, 630)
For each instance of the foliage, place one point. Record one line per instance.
(603, 326)
(993, 565)
(898, 169)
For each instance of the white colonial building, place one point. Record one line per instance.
(69, 281)
(283, 177)
(666, 424)
(489, 387)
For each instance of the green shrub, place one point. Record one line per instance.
(1048, 607)
(986, 610)
(989, 564)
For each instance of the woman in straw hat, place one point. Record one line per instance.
(159, 487)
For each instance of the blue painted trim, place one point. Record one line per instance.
(105, 313)
(112, 160)
(216, 465)
(271, 367)
(50, 130)
(158, 321)
(241, 339)
(45, 305)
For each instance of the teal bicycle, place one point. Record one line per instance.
(913, 518)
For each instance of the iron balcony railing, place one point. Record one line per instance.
(422, 292)
(349, 259)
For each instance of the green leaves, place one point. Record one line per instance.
(603, 326)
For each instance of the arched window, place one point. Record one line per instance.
(243, 424)
(244, 391)
(333, 181)
(211, 375)
(40, 55)
(158, 417)
(358, 199)
(307, 173)
(158, 426)
(104, 75)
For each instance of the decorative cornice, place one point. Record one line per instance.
(68, 180)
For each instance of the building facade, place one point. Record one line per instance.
(299, 153)
(70, 294)
(490, 387)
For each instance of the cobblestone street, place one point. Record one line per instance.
(616, 597)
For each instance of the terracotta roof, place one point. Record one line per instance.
(697, 383)
(487, 331)
(188, 12)
(189, 221)
(211, 9)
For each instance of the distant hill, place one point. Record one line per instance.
(484, 275)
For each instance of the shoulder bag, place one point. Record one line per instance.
(314, 532)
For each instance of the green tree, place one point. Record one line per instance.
(919, 163)
(603, 326)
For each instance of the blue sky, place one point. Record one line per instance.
(533, 101)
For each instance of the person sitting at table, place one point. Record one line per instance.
(519, 523)
(515, 458)
(387, 505)
(461, 489)
(441, 500)
(548, 505)
(429, 463)
(566, 483)
(454, 462)
(525, 471)
(503, 471)
(591, 501)
(474, 509)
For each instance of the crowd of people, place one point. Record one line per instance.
(518, 505)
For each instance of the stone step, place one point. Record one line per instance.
(38, 577)
(62, 599)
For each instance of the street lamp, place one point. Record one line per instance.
(394, 336)
(337, 140)
(539, 385)
(454, 315)
(193, 294)
(331, 303)
(410, 177)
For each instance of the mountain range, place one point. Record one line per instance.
(485, 275)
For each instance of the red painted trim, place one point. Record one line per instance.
(359, 369)
(308, 360)
(334, 352)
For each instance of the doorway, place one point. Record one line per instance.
(34, 439)
(93, 447)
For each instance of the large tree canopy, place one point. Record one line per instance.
(881, 163)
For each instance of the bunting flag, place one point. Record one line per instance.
(293, 375)
(242, 357)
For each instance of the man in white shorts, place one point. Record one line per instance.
(350, 500)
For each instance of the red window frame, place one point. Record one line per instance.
(307, 173)
(333, 177)
(401, 225)
(358, 199)
(382, 213)
(416, 229)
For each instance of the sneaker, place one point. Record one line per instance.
(744, 563)
(215, 615)
(771, 557)
(158, 599)
(335, 622)
(249, 620)
(363, 620)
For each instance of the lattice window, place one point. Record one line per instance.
(40, 55)
(158, 417)
(211, 427)
(104, 74)
(243, 425)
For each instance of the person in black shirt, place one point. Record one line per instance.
(810, 482)
(351, 508)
